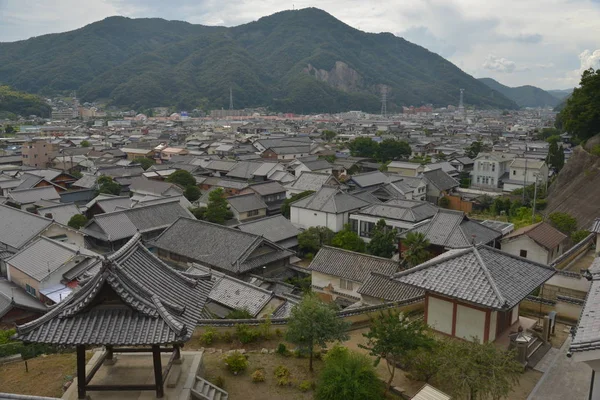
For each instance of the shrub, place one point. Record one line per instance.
(227, 337)
(283, 381)
(265, 328)
(309, 256)
(208, 336)
(305, 386)
(278, 332)
(281, 371)
(236, 362)
(282, 350)
(444, 202)
(77, 221)
(578, 236)
(258, 375)
(348, 375)
(245, 334)
(219, 382)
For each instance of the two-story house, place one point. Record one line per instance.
(272, 193)
(524, 172)
(405, 168)
(490, 169)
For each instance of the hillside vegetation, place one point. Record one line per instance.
(525, 96)
(301, 61)
(14, 103)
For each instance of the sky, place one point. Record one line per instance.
(517, 42)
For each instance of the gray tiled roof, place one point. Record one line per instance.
(27, 196)
(317, 165)
(28, 181)
(44, 256)
(374, 178)
(221, 247)
(311, 181)
(124, 224)
(276, 228)
(350, 265)
(384, 287)
(19, 227)
(440, 179)
(587, 335)
(595, 226)
(452, 229)
(239, 295)
(267, 188)
(403, 210)
(331, 200)
(150, 303)
(13, 295)
(86, 181)
(246, 202)
(144, 185)
(61, 213)
(244, 169)
(480, 275)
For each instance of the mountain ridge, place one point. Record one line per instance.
(524, 96)
(302, 61)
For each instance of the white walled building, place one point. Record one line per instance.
(539, 242)
(525, 172)
(490, 168)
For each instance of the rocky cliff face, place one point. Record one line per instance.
(341, 76)
(576, 189)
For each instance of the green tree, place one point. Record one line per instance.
(440, 157)
(474, 149)
(347, 239)
(348, 375)
(391, 149)
(415, 251)
(77, 221)
(393, 336)
(564, 222)
(444, 202)
(556, 156)
(192, 193)
(383, 241)
(9, 129)
(216, 209)
(85, 143)
(314, 323)
(285, 207)
(328, 135)
(578, 236)
(199, 212)
(485, 202)
(581, 115)
(472, 370)
(145, 162)
(363, 147)
(315, 237)
(107, 185)
(546, 133)
(182, 178)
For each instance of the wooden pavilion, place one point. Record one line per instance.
(136, 303)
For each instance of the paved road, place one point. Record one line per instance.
(563, 379)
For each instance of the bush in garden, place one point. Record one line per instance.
(236, 362)
(258, 375)
(208, 336)
(245, 334)
(305, 386)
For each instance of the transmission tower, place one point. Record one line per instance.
(383, 101)
(461, 104)
(230, 99)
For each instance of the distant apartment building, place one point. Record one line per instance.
(38, 153)
(490, 169)
(64, 113)
(228, 113)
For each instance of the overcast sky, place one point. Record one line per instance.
(546, 43)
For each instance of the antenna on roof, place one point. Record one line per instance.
(12, 295)
(473, 239)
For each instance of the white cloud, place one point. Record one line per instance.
(499, 64)
(589, 59)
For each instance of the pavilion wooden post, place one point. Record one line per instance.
(109, 355)
(81, 378)
(158, 373)
(177, 351)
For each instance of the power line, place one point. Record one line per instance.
(383, 101)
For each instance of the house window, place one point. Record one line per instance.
(365, 228)
(493, 167)
(345, 284)
(354, 225)
(523, 253)
(514, 171)
(252, 213)
(30, 290)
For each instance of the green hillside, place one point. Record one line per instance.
(14, 103)
(302, 61)
(524, 96)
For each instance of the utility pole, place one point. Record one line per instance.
(524, 181)
(534, 199)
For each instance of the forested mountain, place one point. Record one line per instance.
(301, 61)
(14, 103)
(560, 94)
(524, 96)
